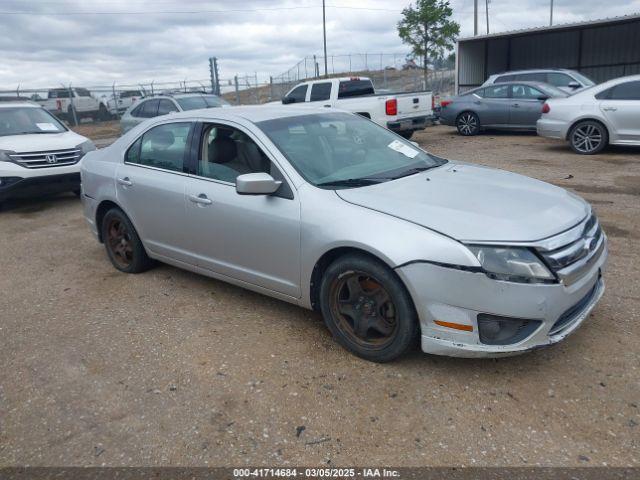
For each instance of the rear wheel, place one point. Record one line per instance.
(588, 137)
(468, 124)
(123, 245)
(367, 308)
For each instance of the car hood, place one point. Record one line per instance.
(474, 203)
(41, 142)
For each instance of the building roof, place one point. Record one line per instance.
(559, 27)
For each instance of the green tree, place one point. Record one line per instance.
(428, 29)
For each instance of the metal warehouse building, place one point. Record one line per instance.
(601, 49)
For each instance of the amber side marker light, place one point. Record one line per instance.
(455, 326)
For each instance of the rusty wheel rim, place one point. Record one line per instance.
(120, 243)
(363, 310)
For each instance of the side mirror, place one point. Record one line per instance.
(573, 85)
(287, 100)
(256, 184)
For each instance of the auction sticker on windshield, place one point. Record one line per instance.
(47, 127)
(406, 150)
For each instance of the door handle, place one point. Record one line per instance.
(125, 182)
(516, 105)
(327, 106)
(609, 109)
(200, 199)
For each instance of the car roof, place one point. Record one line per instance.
(252, 113)
(535, 70)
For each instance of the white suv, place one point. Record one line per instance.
(38, 154)
(568, 80)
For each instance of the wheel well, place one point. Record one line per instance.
(103, 208)
(323, 263)
(587, 120)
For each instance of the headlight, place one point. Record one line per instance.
(512, 264)
(86, 147)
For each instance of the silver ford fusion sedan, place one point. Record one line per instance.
(327, 210)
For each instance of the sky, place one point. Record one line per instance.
(45, 43)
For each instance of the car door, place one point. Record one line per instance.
(525, 106)
(250, 238)
(620, 105)
(493, 106)
(150, 186)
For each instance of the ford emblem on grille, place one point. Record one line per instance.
(51, 159)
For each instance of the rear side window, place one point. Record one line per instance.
(531, 77)
(82, 92)
(526, 92)
(149, 109)
(355, 88)
(505, 78)
(298, 94)
(166, 106)
(499, 91)
(623, 91)
(59, 93)
(136, 111)
(320, 91)
(164, 146)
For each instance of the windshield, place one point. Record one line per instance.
(343, 150)
(214, 101)
(587, 82)
(27, 120)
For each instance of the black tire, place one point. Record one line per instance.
(103, 113)
(367, 308)
(407, 134)
(124, 248)
(588, 137)
(468, 124)
(71, 118)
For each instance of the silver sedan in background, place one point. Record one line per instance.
(164, 104)
(508, 106)
(330, 211)
(607, 114)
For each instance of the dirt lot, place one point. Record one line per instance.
(169, 367)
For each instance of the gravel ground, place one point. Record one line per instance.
(169, 367)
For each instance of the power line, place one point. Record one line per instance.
(193, 12)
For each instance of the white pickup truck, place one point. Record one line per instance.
(59, 103)
(403, 113)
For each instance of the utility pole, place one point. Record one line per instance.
(486, 3)
(551, 15)
(324, 34)
(475, 17)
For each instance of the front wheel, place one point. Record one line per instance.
(367, 308)
(468, 124)
(588, 137)
(124, 247)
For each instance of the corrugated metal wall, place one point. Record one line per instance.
(600, 52)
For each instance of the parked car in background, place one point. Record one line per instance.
(508, 106)
(123, 100)
(63, 101)
(38, 154)
(567, 80)
(329, 211)
(607, 114)
(163, 104)
(403, 113)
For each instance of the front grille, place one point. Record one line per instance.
(574, 259)
(568, 317)
(53, 158)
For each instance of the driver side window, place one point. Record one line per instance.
(227, 152)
